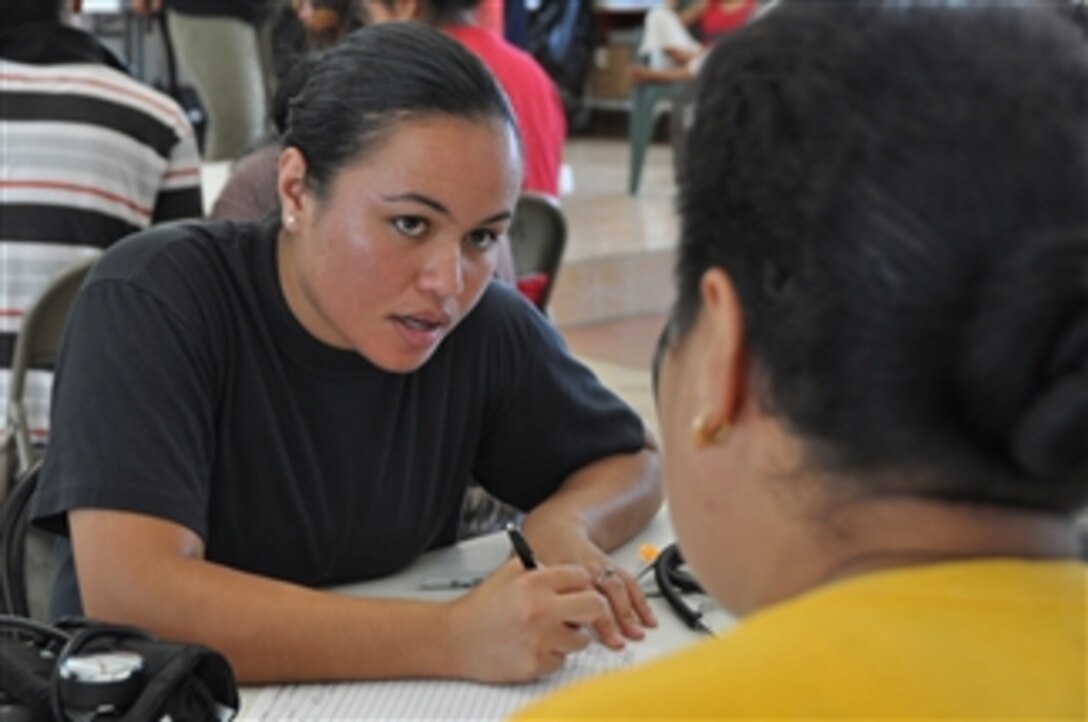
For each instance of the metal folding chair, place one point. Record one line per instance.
(36, 346)
(538, 237)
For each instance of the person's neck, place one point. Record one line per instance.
(460, 20)
(898, 532)
(872, 535)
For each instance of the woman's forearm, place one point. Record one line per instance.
(273, 631)
(151, 573)
(609, 501)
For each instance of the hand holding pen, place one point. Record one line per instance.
(630, 611)
(521, 548)
(522, 620)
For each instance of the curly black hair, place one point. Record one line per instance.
(900, 197)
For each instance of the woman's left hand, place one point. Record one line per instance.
(570, 544)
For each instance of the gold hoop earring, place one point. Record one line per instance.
(704, 434)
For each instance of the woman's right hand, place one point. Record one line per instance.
(519, 625)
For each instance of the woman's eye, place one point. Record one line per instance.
(411, 226)
(483, 239)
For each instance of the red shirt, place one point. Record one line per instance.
(489, 14)
(535, 100)
(717, 20)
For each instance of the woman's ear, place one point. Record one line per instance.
(291, 187)
(722, 369)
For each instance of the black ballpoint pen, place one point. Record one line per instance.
(521, 547)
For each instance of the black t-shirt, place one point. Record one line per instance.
(187, 390)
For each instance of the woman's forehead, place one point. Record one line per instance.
(414, 128)
(449, 159)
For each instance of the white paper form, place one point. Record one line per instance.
(419, 700)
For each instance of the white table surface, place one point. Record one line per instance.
(213, 176)
(483, 554)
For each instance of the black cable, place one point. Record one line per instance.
(674, 582)
(24, 625)
(13, 531)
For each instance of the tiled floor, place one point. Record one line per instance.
(615, 285)
(619, 255)
(627, 341)
(603, 219)
(620, 353)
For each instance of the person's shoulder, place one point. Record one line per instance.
(180, 247)
(493, 47)
(503, 324)
(249, 193)
(98, 82)
(502, 306)
(125, 90)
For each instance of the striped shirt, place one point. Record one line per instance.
(88, 155)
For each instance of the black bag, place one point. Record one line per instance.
(562, 36)
(81, 670)
(185, 95)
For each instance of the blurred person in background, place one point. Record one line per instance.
(305, 26)
(89, 155)
(531, 91)
(221, 48)
(719, 17)
(677, 34)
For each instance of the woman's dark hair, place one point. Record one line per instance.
(377, 77)
(900, 197)
(291, 81)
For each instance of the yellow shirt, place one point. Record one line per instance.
(980, 640)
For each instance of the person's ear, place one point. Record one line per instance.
(291, 188)
(722, 368)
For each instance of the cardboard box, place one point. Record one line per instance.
(609, 77)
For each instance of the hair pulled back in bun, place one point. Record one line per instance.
(900, 198)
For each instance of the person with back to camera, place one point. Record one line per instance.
(245, 412)
(532, 93)
(873, 389)
(88, 155)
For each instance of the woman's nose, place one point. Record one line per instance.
(444, 274)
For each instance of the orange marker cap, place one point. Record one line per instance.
(648, 552)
